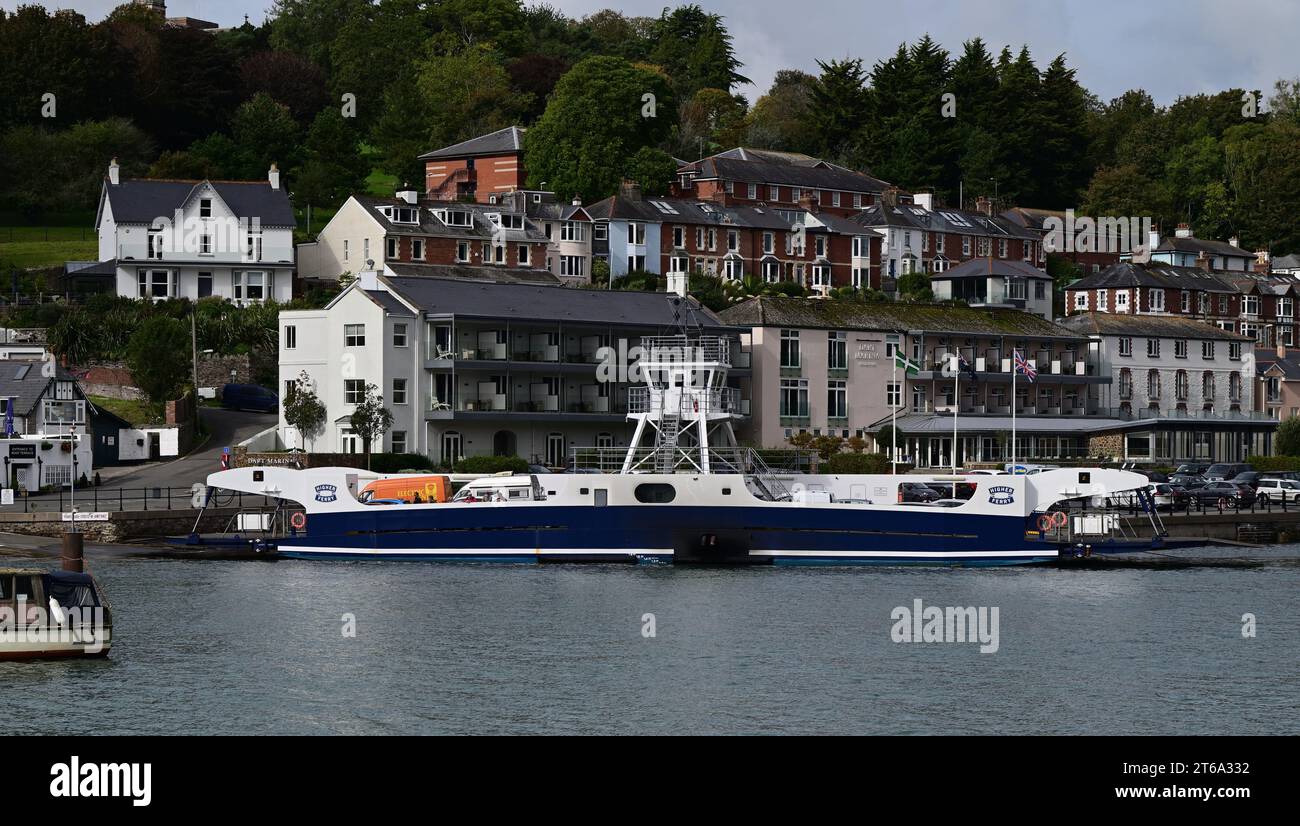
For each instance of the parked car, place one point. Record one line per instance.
(1181, 497)
(1230, 494)
(1250, 477)
(249, 397)
(1224, 471)
(918, 492)
(1154, 475)
(1188, 481)
(1191, 469)
(1277, 491)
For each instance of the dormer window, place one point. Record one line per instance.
(405, 215)
(454, 218)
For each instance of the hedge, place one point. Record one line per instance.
(491, 464)
(1274, 463)
(398, 462)
(857, 463)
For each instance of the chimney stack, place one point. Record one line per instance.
(1204, 262)
(1232, 242)
(925, 200)
(273, 175)
(1183, 231)
(809, 203)
(407, 194)
(889, 198)
(114, 172)
(630, 190)
(984, 206)
(577, 201)
(1263, 262)
(1281, 349)
(677, 283)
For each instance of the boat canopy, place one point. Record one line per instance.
(73, 590)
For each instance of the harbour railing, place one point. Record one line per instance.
(120, 499)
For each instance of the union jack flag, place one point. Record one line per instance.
(1024, 368)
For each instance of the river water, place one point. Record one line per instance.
(226, 647)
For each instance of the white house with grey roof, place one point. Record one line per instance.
(44, 421)
(196, 239)
(473, 367)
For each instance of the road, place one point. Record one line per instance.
(228, 428)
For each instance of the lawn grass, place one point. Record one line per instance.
(134, 411)
(26, 247)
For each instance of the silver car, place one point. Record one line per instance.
(1277, 491)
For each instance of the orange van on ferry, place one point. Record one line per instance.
(409, 489)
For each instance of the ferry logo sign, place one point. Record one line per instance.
(1001, 495)
(326, 493)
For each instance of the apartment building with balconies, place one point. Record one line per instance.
(470, 367)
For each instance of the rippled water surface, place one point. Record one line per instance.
(207, 647)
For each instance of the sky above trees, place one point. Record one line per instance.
(1167, 47)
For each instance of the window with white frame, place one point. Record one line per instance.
(965, 246)
(1285, 307)
(769, 243)
(635, 232)
(860, 277)
(398, 441)
(1156, 298)
(893, 394)
(733, 268)
(1207, 349)
(1234, 350)
(572, 265)
(1081, 300)
(1185, 301)
(399, 391)
(1250, 306)
(155, 283)
(1101, 301)
(794, 398)
(1153, 348)
(205, 207)
(290, 337)
(390, 247)
(354, 335)
(1126, 346)
(523, 255)
(251, 285)
(752, 192)
(1121, 301)
(1002, 248)
(571, 231)
(399, 335)
(1180, 348)
(462, 252)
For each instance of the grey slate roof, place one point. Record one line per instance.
(545, 303)
(943, 219)
(1196, 245)
(989, 266)
(1154, 326)
(388, 301)
(509, 275)
(780, 311)
(482, 227)
(694, 212)
(500, 142)
(24, 383)
(1287, 262)
(1288, 365)
(145, 200)
(784, 168)
(1128, 274)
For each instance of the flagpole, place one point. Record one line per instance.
(893, 421)
(956, 394)
(1013, 410)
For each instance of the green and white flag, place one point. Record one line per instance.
(902, 363)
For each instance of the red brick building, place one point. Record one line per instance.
(764, 178)
(1258, 306)
(478, 168)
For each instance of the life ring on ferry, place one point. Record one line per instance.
(1045, 522)
(1059, 519)
(298, 521)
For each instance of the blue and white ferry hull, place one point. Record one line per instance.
(830, 520)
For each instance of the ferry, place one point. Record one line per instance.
(686, 491)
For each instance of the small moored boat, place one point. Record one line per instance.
(48, 614)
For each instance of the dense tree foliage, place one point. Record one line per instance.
(407, 76)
